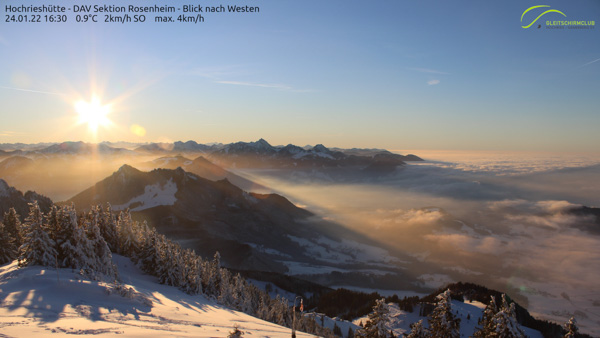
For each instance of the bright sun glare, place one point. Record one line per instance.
(93, 113)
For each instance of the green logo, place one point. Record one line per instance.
(539, 16)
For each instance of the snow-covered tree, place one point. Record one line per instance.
(149, 252)
(418, 330)
(485, 322)
(73, 247)
(8, 249)
(12, 225)
(226, 292)
(100, 259)
(499, 321)
(571, 328)
(170, 266)
(506, 321)
(195, 275)
(108, 228)
(211, 276)
(164, 254)
(376, 325)
(238, 286)
(129, 243)
(442, 322)
(37, 247)
(53, 222)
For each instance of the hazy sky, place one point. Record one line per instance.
(393, 74)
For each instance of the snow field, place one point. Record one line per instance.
(34, 302)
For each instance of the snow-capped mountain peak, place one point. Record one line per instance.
(319, 148)
(261, 144)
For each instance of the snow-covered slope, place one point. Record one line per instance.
(154, 195)
(38, 302)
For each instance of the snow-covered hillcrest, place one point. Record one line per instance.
(37, 302)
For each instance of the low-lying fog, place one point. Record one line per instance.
(503, 220)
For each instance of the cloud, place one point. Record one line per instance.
(228, 75)
(265, 85)
(420, 216)
(433, 82)
(485, 245)
(32, 91)
(552, 214)
(221, 72)
(556, 221)
(252, 84)
(537, 207)
(429, 71)
(9, 133)
(589, 63)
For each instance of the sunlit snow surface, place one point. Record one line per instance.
(38, 302)
(153, 196)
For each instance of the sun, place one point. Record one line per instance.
(93, 113)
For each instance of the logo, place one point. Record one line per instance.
(561, 24)
(539, 16)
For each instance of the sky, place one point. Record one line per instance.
(460, 75)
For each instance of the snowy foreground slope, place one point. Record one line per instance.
(33, 303)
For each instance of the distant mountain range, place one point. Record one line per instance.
(240, 154)
(63, 169)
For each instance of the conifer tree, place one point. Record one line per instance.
(128, 239)
(485, 322)
(8, 249)
(149, 252)
(53, 222)
(12, 225)
(376, 325)
(506, 321)
(72, 240)
(194, 277)
(500, 321)
(225, 288)
(108, 228)
(418, 330)
(37, 247)
(170, 272)
(101, 257)
(571, 328)
(163, 259)
(238, 286)
(442, 322)
(212, 276)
